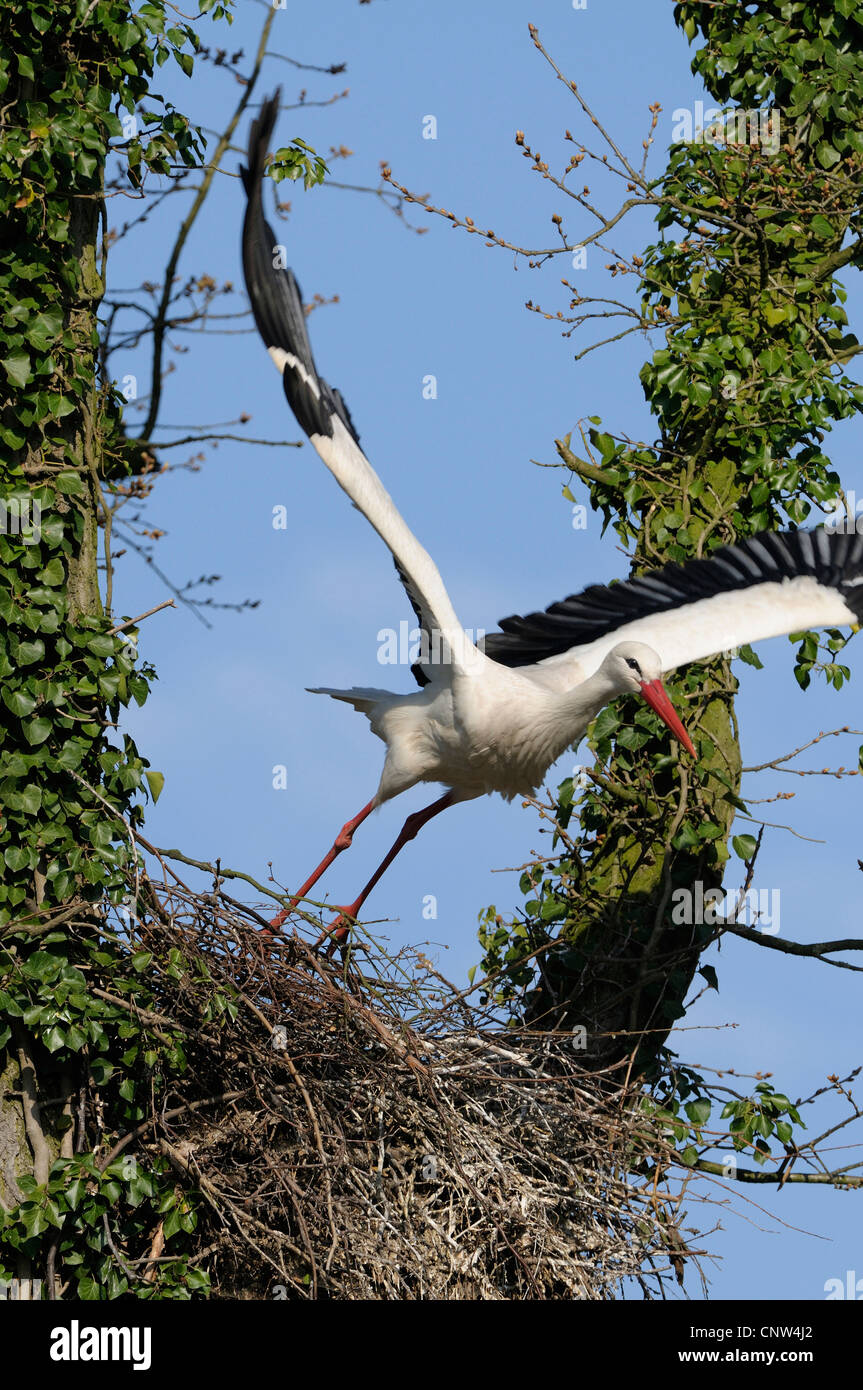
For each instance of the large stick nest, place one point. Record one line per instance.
(358, 1129)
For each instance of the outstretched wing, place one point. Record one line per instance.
(278, 310)
(773, 583)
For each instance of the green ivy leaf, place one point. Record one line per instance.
(19, 702)
(155, 781)
(43, 329)
(698, 1111)
(605, 723)
(685, 837)
(751, 658)
(744, 846)
(17, 367)
(54, 573)
(28, 652)
(31, 799)
(37, 730)
(70, 483)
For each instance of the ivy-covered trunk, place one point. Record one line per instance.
(68, 783)
(749, 377)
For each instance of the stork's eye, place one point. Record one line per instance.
(632, 664)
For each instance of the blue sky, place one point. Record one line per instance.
(230, 704)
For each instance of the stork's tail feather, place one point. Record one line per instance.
(364, 698)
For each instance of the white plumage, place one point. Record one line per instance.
(490, 728)
(495, 719)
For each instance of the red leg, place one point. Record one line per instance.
(414, 823)
(341, 842)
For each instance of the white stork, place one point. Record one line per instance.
(493, 718)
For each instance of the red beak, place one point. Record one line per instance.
(655, 694)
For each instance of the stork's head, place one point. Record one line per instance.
(636, 668)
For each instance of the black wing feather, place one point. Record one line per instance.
(276, 299)
(417, 670)
(277, 305)
(834, 559)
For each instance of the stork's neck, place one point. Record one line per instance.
(581, 704)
